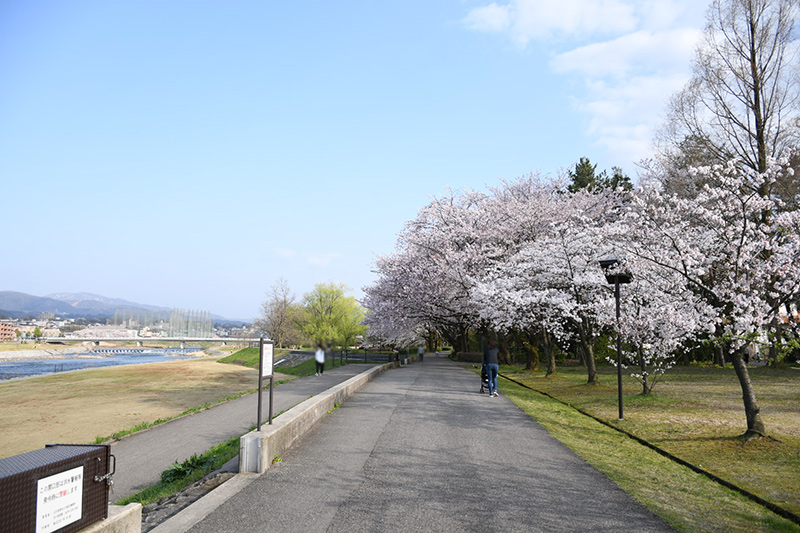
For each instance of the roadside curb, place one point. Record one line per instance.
(203, 507)
(267, 443)
(258, 449)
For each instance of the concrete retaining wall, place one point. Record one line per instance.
(258, 449)
(121, 519)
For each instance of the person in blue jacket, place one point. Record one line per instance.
(490, 361)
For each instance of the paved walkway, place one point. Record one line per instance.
(419, 449)
(143, 456)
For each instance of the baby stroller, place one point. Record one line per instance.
(484, 379)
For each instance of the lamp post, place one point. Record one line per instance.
(616, 278)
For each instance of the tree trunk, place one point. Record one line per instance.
(581, 356)
(685, 356)
(588, 351)
(531, 352)
(464, 340)
(757, 87)
(755, 426)
(547, 340)
(719, 351)
(776, 338)
(504, 357)
(533, 357)
(453, 341)
(646, 386)
(719, 355)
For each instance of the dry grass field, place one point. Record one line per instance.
(77, 407)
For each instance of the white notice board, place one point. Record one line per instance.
(267, 356)
(59, 500)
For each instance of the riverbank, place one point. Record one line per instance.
(78, 407)
(29, 354)
(38, 351)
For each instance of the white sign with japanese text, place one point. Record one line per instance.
(267, 351)
(59, 500)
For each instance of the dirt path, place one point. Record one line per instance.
(77, 407)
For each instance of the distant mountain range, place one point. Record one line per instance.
(72, 305)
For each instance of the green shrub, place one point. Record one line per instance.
(185, 469)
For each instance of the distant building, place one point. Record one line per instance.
(7, 332)
(27, 329)
(106, 332)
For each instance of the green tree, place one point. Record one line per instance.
(37, 333)
(585, 176)
(330, 316)
(352, 326)
(617, 179)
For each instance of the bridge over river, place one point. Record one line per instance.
(141, 340)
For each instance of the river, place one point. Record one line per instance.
(15, 369)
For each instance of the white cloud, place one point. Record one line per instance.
(622, 114)
(492, 18)
(527, 20)
(630, 55)
(628, 82)
(640, 51)
(665, 14)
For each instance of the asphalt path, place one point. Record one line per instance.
(141, 457)
(419, 449)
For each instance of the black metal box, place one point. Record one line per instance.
(62, 487)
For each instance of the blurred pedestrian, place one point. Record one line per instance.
(319, 356)
(490, 361)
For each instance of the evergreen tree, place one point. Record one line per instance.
(585, 176)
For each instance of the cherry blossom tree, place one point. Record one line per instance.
(732, 246)
(523, 260)
(660, 315)
(520, 212)
(427, 281)
(551, 282)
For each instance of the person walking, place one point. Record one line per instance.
(319, 355)
(421, 352)
(490, 361)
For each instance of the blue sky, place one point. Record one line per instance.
(191, 153)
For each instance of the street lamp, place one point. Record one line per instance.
(615, 277)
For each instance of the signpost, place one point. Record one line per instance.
(265, 365)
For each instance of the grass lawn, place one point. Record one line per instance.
(180, 476)
(695, 413)
(249, 357)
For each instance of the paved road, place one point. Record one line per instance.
(418, 449)
(142, 457)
